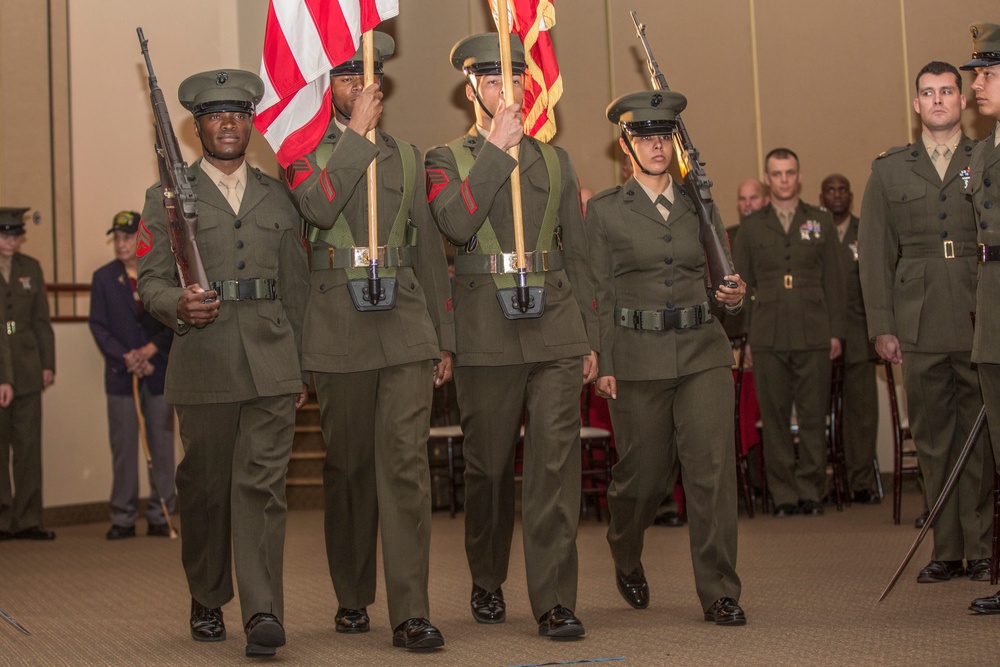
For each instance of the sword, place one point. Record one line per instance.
(10, 619)
(945, 493)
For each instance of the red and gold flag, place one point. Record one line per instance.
(531, 20)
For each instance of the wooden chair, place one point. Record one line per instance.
(901, 455)
(596, 470)
(449, 437)
(835, 435)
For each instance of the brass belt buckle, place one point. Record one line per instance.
(981, 248)
(11, 327)
(949, 250)
(788, 281)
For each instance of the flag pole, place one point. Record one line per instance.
(515, 177)
(368, 52)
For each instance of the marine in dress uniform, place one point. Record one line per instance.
(506, 366)
(984, 188)
(664, 361)
(860, 395)
(28, 360)
(134, 343)
(234, 372)
(917, 251)
(374, 369)
(788, 252)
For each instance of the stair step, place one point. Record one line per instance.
(309, 454)
(304, 481)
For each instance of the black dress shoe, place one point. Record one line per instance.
(786, 509)
(120, 532)
(158, 530)
(35, 534)
(417, 633)
(810, 508)
(866, 497)
(206, 623)
(352, 621)
(978, 569)
(671, 519)
(633, 587)
(560, 623)
(940, 570)
(726, 611)
(921, 520)
(488, 607)
(264, 634)
(4, 535)
(986, 605)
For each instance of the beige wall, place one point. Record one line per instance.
(832, 80)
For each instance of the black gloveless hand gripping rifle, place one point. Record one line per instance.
(697, 183)
(179, 199)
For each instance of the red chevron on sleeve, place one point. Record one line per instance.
(436, 182)
(324, 180)
(297, 172)
(144, 240)
(470, 203)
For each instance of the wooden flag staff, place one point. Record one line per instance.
(374, 286)
(503, 27)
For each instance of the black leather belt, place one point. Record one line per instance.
(988, 253)
(246, 289)
(663, 320)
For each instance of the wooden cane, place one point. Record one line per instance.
(149, 459)
(368, 55)
(503, 27)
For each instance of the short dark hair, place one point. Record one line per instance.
(938, 67)
(781, 154)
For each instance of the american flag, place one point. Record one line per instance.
(532, 20)
(303, 40)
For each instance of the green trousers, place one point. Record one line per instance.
(21, 449)
(376, 425)
(231, 484)
(493, 400)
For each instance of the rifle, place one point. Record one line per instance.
(693, 172)
(179, 199)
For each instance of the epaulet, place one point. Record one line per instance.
(893, 151)
(606, 193)
(259, 175)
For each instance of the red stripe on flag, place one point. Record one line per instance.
(278, 59)
(333, 29)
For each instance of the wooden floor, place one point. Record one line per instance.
(809, 589)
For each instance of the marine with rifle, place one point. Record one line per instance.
(233, 372)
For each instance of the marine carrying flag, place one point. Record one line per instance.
(532, 20)
(303, 41)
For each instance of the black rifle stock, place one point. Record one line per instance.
(179, 199)
(693, 172)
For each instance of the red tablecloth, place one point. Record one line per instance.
(749, 412)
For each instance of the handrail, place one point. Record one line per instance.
(73, 290)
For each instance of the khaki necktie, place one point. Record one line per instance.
(785, 218)
(231, 183)
(665, 203)
(941, 157)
